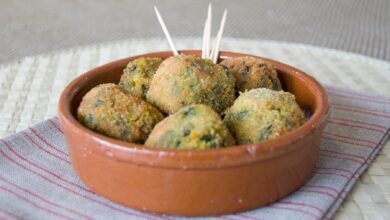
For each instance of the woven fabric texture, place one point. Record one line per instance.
(30, 28)
(38, 182)
(29, 91)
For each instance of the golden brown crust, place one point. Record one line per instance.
(137, 75)
(263, 114)
(191, 127)
(184, 80)
(110, 110)
(251, 73)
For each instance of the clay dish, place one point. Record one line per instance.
(194, 182)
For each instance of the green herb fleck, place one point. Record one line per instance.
(177, 143)
(241, 114)
(217, 89)
(225, 70)
(189, 112)
(245, 71)
(207, 138)
(144, 89)
(186, 132)
(120, 121)
(98, 103)
(264, 133)
(276, 83)
(90, 119)
(132, 69)
(124, 134)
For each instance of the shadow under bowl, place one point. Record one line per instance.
(194, 182)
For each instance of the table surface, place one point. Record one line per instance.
(351, 25)
(30, 88)
(29, 28)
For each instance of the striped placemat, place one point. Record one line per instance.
(38, 182)
(29, 90)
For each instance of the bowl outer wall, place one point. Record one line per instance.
(194, 183)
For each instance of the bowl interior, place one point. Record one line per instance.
(290, 78)
(309, 93)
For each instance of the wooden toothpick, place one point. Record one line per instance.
(167, 35)
(208, 34)
(204, 54)
(217, 44)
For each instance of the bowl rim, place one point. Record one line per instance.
(194, 159)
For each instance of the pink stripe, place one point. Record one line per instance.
(362, 167)
(291, 203)
(360, 111)
(7, 216)
(229, 217)
(358, 97)
(348, 137)
(295, 210)
(344, 136)
(240, 215)
(338, 169)
(45, 200)
(47, 143)
(55, 126)
(353, 107)
(224, 217)
(331, 173)
(45, 170)
(355, 126)
(343, 158)
(346, 142)
(61, 186)
(323, 187)
(251, 217)
(343, 153)
(357, 94)
(359, 123)
(4, 216)
(43, 149)
(319, 192)
(34, 204)
(301, 205)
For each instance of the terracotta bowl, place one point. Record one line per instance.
(194, 182)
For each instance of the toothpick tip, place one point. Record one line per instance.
(166, 32)
(215, 51)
